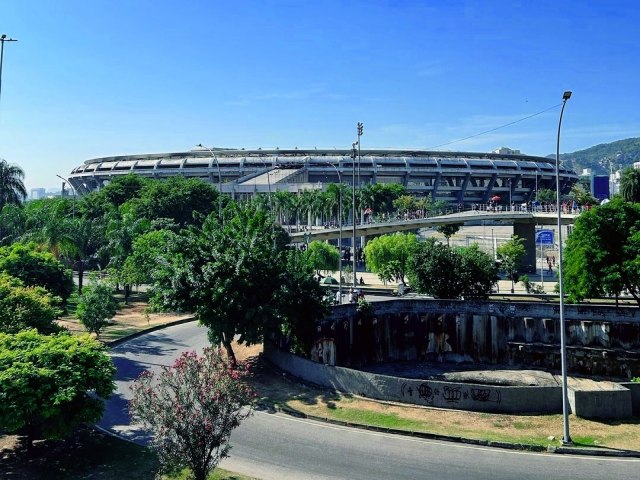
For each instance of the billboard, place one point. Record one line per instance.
(600, 186)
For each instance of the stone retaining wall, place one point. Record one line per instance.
(601, 340)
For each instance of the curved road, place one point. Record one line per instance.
(275, 446)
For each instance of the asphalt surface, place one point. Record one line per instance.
(276, 446)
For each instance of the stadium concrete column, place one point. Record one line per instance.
(527, 231)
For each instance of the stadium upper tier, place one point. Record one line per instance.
(455, 177)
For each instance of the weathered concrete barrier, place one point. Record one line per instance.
(463, 396)
(601, 400)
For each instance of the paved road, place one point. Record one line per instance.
(274, 446)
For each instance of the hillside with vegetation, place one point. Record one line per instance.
(622, 153)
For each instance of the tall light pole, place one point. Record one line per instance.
(73, 190)
(353, 216)
(339, 231)
(360, 127)
(360, 131)
(3, 38)
(566, 438)
(219, 180)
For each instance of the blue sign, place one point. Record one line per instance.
(544, 237)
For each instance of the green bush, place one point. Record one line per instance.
(96, 307)
(51, 383)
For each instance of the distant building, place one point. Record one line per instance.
(506, 151)
(38, 193)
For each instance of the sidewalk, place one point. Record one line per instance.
(504, 286)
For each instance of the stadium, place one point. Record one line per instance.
(455, 177)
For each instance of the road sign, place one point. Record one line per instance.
(544, 237)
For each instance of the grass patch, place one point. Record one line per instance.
(72, 304)
(522, 425)
(521, 429)
(585, 442)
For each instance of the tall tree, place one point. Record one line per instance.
(12, 223)
(35, 267)
(478, 272)
(229, 275)
(603, 251)
(82, 251)
(390, 251)
(443, 272)
(176, 199)
(630, 185)
(49, 224)
(510, 255)
(322, 256)
(433, 270)
(11, 184)
(448, 230)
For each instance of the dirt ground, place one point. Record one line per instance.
(130, 318)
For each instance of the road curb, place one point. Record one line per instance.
(411, 433)
(596, 452)
(126, 338)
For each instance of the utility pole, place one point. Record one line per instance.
(3, 38)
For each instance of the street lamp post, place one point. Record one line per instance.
(3, 38)
(219, 180)
(566, 438)
(73, 190)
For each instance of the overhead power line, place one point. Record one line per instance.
(496, 128)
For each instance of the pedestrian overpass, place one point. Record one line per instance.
(524, 224)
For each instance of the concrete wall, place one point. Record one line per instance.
(481, 398)
(614, 402)
(634, 388)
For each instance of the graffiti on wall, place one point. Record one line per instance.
(324, 351)
(449, 394)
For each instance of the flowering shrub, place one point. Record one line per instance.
(191, 409)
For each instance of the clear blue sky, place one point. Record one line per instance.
(90, 78)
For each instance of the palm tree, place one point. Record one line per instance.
(49, 224)
(630, 185)
(11, 186)
(306, 202)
